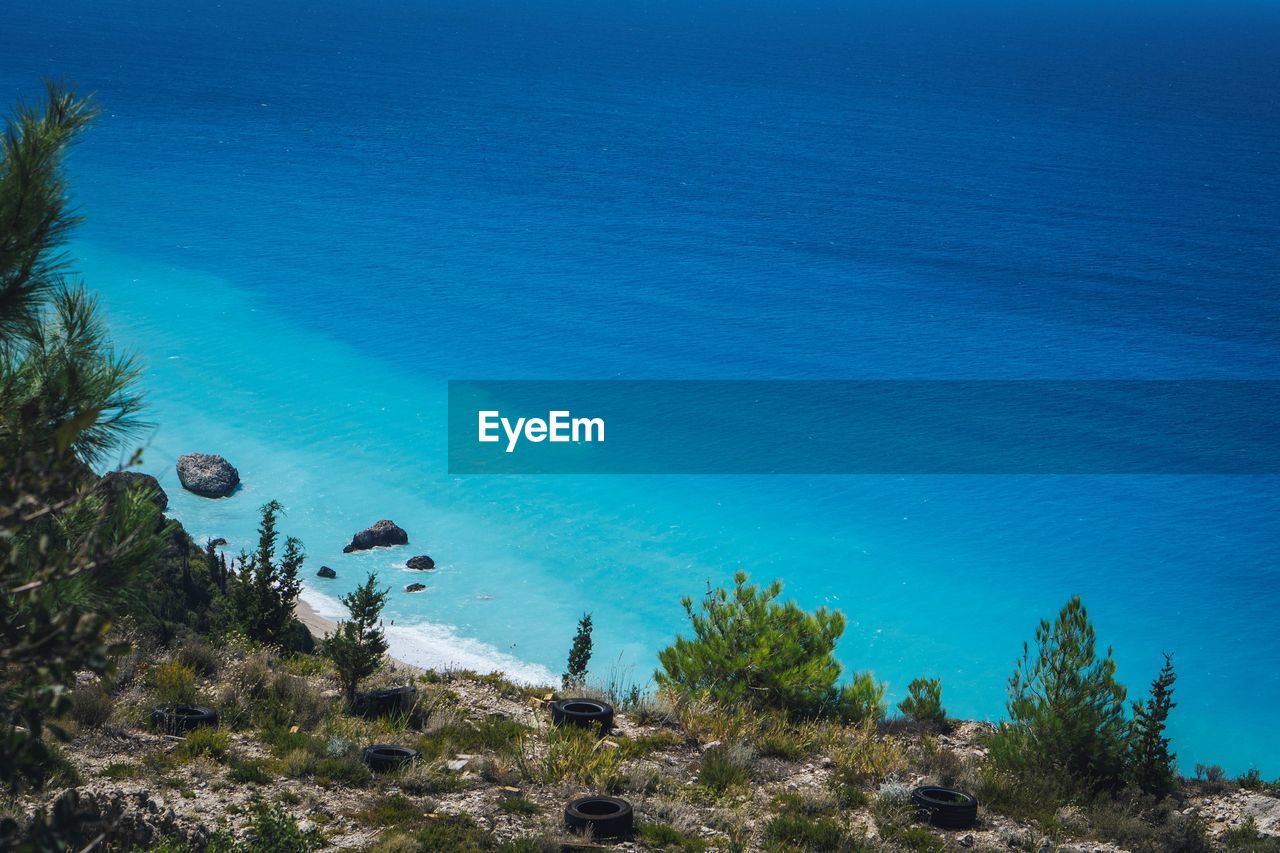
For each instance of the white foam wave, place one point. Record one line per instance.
(434, 646)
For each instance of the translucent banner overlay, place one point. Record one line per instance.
(865, 427)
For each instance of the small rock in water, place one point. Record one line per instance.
(326, 572)
(422, 563)
(383, 533)
(207, 475)
(415, 587)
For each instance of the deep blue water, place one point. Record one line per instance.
(306, 217)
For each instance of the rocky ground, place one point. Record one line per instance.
(490, 754)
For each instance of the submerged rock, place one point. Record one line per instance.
(385, 532)
(415, 587)
(422, 563)
(115, 482)
(207, 475)
(326, 572)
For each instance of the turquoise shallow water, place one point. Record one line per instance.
(306, 220)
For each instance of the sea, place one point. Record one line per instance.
(305, 218)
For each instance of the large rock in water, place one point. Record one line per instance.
(385, 532)
(207, 475)
(117, 482)
(423, 563)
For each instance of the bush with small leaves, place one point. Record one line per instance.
(91, 705)
(725, 768)
(749, 649)
(249, 772)
(200, 656)
(660, 836)
(518, 804)
(173, 682)
(205, 743)
(806, 832)
(924, 702)
(277, 831)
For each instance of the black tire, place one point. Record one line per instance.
(945, 808)
(587, 713)
(608, 818)
(177, 719)
(385, 757)
(386, 701)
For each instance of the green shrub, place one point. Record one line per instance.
(358, 645)
(749, 649)
(1066, 710)
(572, 754)
(395, 810)
(1151, 760)
(262, 593)
(646, 744)
(91, 705)
(276, 831)
(1246, 837)
(200, 656)
(518, 804)
(779, 737)
(122, 770)
(1211, 773)
(427, 777)
(807, 832)
(862, 699)
(249, 772)
(918, 839)
(862, 757)
(494, 733)
(660, 836)
(173, 682)
(282, 741)
(1251, 780)
(290, 700)
(924, 702)
(452, 834)
(344, 771)
(1022, 796)
(579, 655)
(205, 742)
(298, 764)
(724, 768)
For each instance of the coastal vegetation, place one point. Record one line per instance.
(358, 644)
(754, 739)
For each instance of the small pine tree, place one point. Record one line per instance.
(1066, 709)
(579, 654)
(358, 645)
(748, 648)
(262, 593)
(1150, 761)
(924, 702)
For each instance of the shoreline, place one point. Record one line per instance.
(426, 646)
(320, 625)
